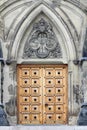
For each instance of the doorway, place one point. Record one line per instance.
(42, 95)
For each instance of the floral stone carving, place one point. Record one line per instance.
(42, 42)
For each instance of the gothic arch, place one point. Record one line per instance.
(10, 6)
(55, 19)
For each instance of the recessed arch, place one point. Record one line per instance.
(70, 48)
(17, 29)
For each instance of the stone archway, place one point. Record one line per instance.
(18, 30)
(62, 37)
(69, 46)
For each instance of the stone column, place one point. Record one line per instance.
(84, 80)
(11, 104)
(1, 59)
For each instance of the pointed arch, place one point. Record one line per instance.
(37, 9)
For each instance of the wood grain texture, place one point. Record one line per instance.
(42, 94)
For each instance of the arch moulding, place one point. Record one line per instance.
(69, 47)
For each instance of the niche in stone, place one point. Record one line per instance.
(42, 42)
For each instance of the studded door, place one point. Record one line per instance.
(42, 94)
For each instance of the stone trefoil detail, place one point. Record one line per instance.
(42, 42)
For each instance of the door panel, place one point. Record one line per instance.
(49, 91)
(42, 94)
(25, 91)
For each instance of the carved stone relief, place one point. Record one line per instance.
(42, 42)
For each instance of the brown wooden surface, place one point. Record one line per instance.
(42, 94)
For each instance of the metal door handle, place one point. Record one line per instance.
(46, 105)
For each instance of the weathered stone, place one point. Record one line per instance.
(11, 89)
(3, 117)
(82, 119)
(67, 20)
(11, 107)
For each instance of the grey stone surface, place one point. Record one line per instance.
(69, 23)
(84, 2)
(39, 128)
(80, 128)
(44, 128)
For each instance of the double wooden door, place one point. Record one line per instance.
(42, 94)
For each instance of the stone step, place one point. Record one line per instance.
(43, 128)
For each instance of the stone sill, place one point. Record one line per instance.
(63, 127)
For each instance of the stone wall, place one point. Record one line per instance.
(69, 22)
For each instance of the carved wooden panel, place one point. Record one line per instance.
(42, 94)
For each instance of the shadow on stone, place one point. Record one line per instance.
(3, 117)
(82, 119)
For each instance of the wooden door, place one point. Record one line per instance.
(42, 94)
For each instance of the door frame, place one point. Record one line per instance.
(42, 65)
